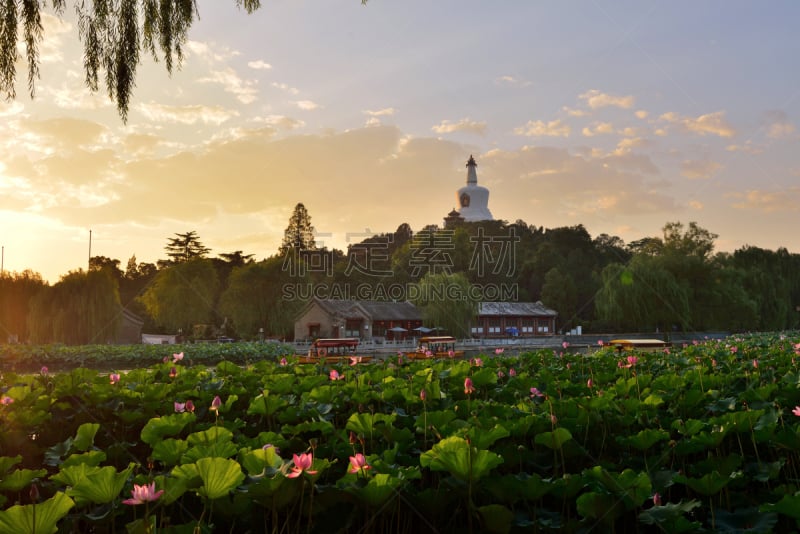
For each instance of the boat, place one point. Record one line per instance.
(431, 347)
(642, 345)
(334, 350)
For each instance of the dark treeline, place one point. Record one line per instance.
(675, 281)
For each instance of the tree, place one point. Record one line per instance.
(114, 34)
(16, 293)
(299, 235)
(183, 295)
(184, 247)
(255, 299)
(82, 308)
(560, 293)
(447, 301)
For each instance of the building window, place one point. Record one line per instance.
(313, 330)
(477, 330)
(495, 326)
(527, 325)
(352, 328)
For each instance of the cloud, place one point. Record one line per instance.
(554, 128)
(464, 125)
(512, 81)
(281, 122)
(641, 114)
(385, 112)
(627, 144)
(574, 112)
(210, 52)
(285, 88)
(306, 105)
(710, 123)
(595, 100)
(598, 128)
(696, 205)
(185, 114)
(787, 200)
(748, 148)
(699, 169)
(778, 125)
(244, 90)
(259, 65)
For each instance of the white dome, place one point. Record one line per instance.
(473, 199)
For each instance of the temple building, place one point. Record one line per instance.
(473, 199)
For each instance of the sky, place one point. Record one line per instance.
(619, 116)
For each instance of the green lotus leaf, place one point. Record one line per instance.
(324, 427)
(670, 517)
(707, 485)
(84, 437)
(36, 519)
(20, 478)
(634, 487)
(265, 404)
(378, 490)
(159, 427)
(789, 505)
(600, 505)
(71, 475)
(174, 488)
(689, 427)
(224, 449)
(496, 518)
(438, 420)
(169, 451)
(461, 460)
(92, 458)
(364, 424)
(255, 462)
(7, 462)
(513, 488)
(745, 520)
(101, 486)
(215, 434)
(644, 439)
(484, 377)
(482, 438)
(555, 439)
(220, 476)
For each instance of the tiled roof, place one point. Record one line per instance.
(497, 309)
(374, 309)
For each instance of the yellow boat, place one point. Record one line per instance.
(642, 345)
(435, 347)
(333, 350)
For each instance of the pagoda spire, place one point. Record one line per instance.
(472, 173)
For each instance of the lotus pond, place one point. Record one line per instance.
(699, 438)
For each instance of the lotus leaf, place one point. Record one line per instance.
(379, 489)
(36, 519)
(220, 476)
(670, 517)
(456, 456)
(169, 425)
(100, 486)
(555, 439)
(19, 479)
(169, 451)
(496, 518)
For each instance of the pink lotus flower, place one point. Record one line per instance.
(796, 411)
(468, 387)
(656, 499)
(215, 404)
(451, 353)
(600, 342)
(500, 373)
(177, 357)
(143, 493)
(565, 344)
(301, 463)
(358, 463)
(5, 400)
(632, 360)
(569, 365)
(734, 350)
(334, 375)
(512, 372)
(755, 364)
(113, 378)
(477, 362)
(428, 353)
(283, 362)
(44, 370)
(422, 395)
(589, 383)
(553, 418)
(173, 372)
(536, 393)
(270, 445)
(498, 351)
(355, 360)
(190, 406)
(180, 407)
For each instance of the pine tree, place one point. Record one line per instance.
(185, 247)
(299, 235)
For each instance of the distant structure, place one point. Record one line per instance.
(473, 199)
(453, 219)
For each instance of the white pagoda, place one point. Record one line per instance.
(473, 199)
